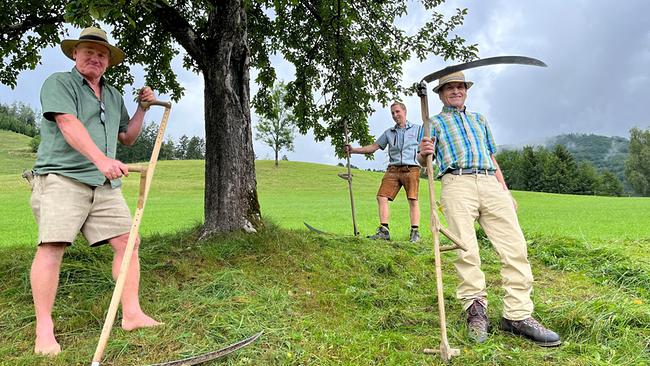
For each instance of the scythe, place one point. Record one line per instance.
(446, 352)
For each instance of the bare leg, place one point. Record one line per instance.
(132, 315)
(384, 213)
(414, 212)
(44, 278)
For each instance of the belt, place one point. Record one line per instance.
(470, 171)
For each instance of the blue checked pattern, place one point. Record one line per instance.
(463, 140)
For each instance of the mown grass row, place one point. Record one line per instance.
(609, 266)
(322, 300)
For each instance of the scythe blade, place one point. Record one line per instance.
(196, 360)
(517, 60)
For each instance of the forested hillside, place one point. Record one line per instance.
(604, 152)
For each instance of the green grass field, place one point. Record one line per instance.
(327, 300)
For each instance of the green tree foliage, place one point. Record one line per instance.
(19, 118)
(541, 170)
(510, 162)
(141, 150)
(609, 185)
(276, 126)
(181, 147)
(604, 152)
(637, 168)
(195, 149)
(346, 54)
(560, 172)
(532, 168)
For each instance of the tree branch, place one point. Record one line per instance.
(17, 30)
(180, 29)
(312, 10)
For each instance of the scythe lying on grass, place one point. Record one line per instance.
(446, 352)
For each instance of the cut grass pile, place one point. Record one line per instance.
(332, 299)
(322, 300)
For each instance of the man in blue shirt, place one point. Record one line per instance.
(403, 170)
(474, 190)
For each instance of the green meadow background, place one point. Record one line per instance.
(297, 192)
(327, 299)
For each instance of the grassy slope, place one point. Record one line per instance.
(327, 300)
(298, 192)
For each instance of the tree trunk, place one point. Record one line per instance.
(276, 157)
(230, 186)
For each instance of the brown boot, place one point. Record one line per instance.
(533, 330)
(477, 322)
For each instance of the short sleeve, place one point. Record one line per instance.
(489, 139)
(382, 141)
(57, 96)
(124, 118)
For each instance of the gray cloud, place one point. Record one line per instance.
(597, 81)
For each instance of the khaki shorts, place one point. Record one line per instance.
(63, 206)
(398, 176)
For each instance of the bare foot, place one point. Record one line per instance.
(46, 344)
(141, 321)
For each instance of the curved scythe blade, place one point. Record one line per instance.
(518, 60)
(196, 360)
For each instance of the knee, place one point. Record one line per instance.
(50, 252)
(119, 243)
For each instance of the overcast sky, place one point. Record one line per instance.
(598, 53)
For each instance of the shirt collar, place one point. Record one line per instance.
(76, 75)
(408, 125)
(451, 109)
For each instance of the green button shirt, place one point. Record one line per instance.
(70, 93)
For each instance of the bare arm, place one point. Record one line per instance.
(368, 149)
(77, 136)
(135, 123)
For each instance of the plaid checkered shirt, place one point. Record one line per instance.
(463, 140)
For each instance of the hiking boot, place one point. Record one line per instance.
(477, 322)
(533, 330)
(415, 235)
(382, 234)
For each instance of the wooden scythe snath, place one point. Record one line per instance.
(446, 352)
(146, 175)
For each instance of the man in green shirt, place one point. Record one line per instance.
(77, 178)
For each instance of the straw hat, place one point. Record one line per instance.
(94, 35)
(457, 77)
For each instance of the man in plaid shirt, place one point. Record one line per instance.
(473, 188)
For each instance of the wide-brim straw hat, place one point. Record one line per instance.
(94, 35)
(457, 77)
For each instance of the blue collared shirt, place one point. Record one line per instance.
(402, 143)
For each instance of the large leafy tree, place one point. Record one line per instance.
(346, 54)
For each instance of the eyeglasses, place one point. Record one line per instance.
(102, 112)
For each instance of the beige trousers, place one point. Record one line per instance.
(471, 197)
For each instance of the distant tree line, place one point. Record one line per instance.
(555, 171)
(606, 153)
(20, 118)
(187, 148)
